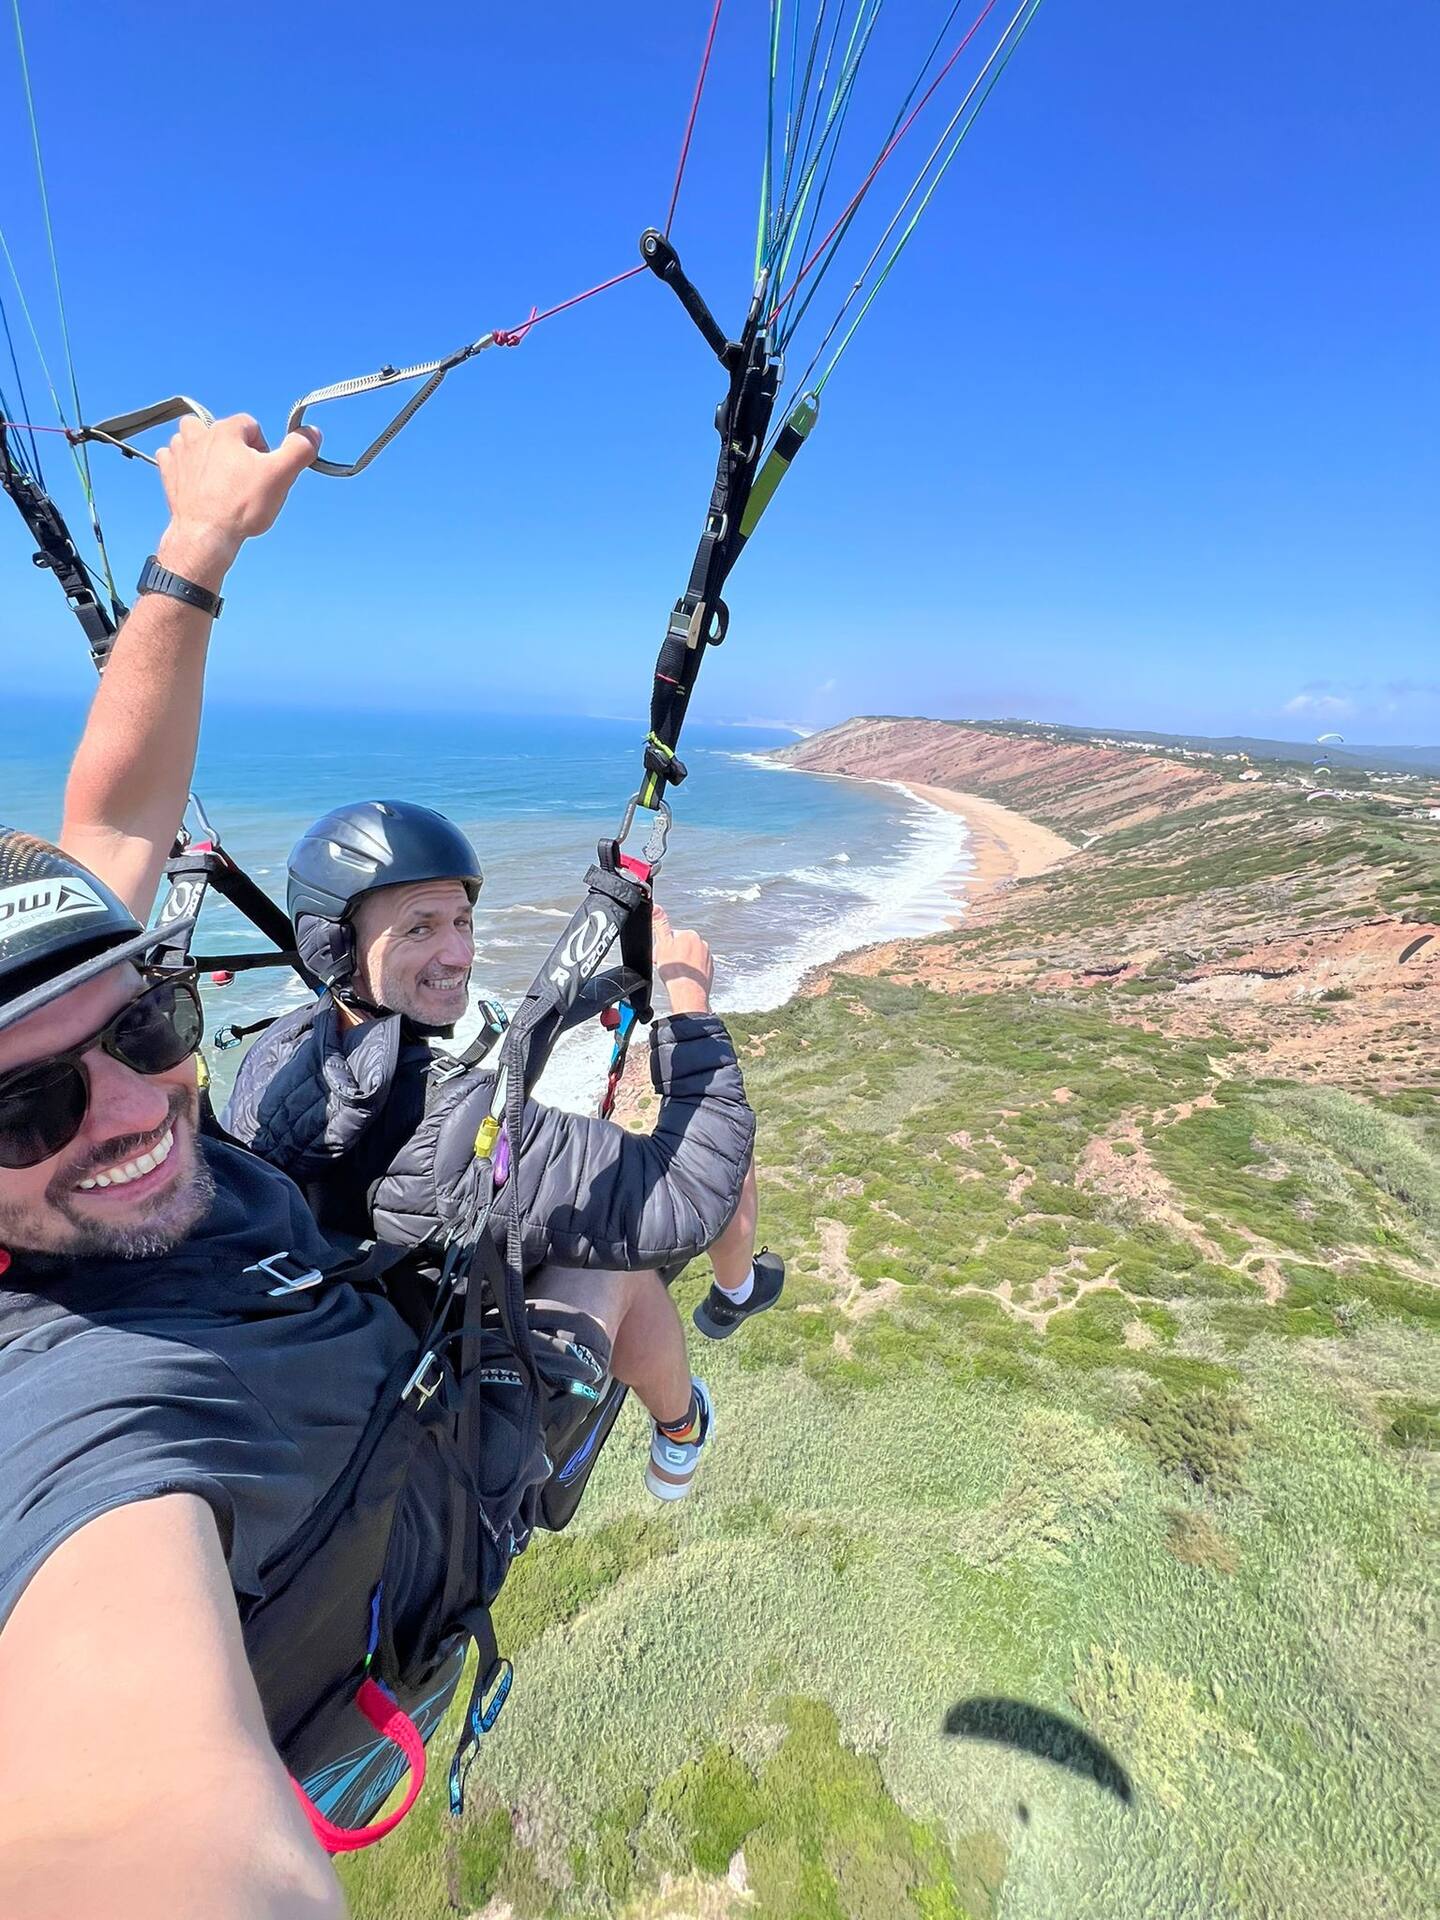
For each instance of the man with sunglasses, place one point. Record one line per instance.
(206, 1542)
(132, 1734)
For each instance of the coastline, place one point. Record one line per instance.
(1005, 846)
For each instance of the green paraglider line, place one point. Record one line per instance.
(797, 312)
(80, 454)
(1024, 17)
(840, 226)
(762, 236)
(830, 139)
(793, 139)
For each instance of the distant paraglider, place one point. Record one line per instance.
(1323, 769)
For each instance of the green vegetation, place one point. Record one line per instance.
(1201, 1435)
(1101, 1415)
(1248, 862)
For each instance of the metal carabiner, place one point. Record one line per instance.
(198, 809)
(654, 849)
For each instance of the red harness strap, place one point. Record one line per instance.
(391, 1722)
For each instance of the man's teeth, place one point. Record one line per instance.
(133, 1169)
(446, 982)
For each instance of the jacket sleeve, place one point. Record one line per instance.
(593, 1194)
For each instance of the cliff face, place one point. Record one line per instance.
(1078, 790)
(1192, 904)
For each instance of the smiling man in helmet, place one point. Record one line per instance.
(381, 895)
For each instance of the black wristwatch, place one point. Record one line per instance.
(157, 579)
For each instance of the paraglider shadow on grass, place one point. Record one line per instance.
(1049, 1736)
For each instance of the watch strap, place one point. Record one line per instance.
(157, 579)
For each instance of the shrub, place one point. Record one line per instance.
(1201, 1435)
(1416, 1427)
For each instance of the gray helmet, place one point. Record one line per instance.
(354, 851)
(60, 925)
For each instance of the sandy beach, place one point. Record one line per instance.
(1006, 846)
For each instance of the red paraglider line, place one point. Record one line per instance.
(33, 426)
(885, 153)
(694, 109)
(512, 336)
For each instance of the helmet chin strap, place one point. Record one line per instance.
(355, 1008)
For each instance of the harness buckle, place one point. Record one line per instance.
(295, 1280)
(425, 1389)
(446, 1067)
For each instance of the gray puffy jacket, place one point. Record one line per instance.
(592, 1193)
(331, 1104)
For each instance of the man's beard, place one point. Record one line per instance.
(397, 995)
(171, 1214)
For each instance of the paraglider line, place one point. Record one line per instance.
(78, 453)
(20, 389)
(694, 110)
(512, 336)
(34, 426)
(886, 151)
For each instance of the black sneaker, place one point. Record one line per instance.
(717, 1315)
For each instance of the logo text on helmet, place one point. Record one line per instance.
(31, 902)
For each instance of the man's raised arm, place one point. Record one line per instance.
(131, 775)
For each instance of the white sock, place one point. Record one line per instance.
(739, 1295)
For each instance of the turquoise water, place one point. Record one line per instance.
(780, 870)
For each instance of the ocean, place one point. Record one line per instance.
(779, 870)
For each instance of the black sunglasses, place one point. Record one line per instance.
(43, 1105)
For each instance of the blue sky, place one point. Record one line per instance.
(1142, 432)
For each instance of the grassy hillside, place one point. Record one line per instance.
(1067, 1547)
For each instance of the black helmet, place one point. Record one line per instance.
(59, 925)
(354, 851)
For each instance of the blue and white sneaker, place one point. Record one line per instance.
(673, 1462)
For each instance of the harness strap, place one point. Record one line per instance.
(488, 1695)
(58, 554)
(191, 872)
(392, 1723)
(122, 427)
(700, 617)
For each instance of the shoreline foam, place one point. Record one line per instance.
(1007, 846)
(1004, 846)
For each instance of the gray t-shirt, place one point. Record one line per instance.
(122, 1380)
